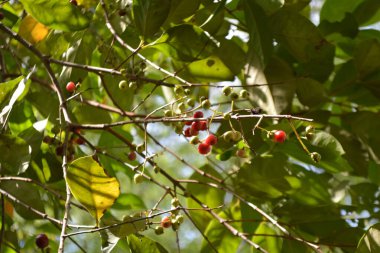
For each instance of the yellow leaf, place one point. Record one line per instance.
(32, 30)
(91, 186)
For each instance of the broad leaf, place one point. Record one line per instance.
(370, 242)
(57, 14)
(210, 69)
(6, 90)
(143, 244)
(91, 186)
(149, 15)
(16, 155)
(32, 30)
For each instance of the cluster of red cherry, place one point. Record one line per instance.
(195, 126)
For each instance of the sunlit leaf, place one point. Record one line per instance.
(370, 242)
(32, 30)
(57, 14)
(91, 186)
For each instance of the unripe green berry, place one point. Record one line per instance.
(227, 116)
(316, 157)
(175, 225)
(228, 136)
(187, 91)
(138, 178)
(168, 113)
(243, 94)
(132, 85)
(234, 96)
(140, 148)
(175, 202)
(194, 140)
(206, 104)
(227, 90)
(182, 107)
(123, 71)
(190, 102)
(158, 230)
(236, 136)
(179, 218)
(142, 65)
(156, 169)
(178, 90)
(123, 85)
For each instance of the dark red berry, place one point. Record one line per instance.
(198, 114)
(132, 156)
(187, 132)
(79, 141)
(70, 87)
(204, 148)
(211, 139)
(74, 2)
(188, 123)
(42, 241)
(196, 126)
(59, 151)
(122, 12)
(1, 16)
(193, 132)
(202, 125)
(279, 136)
(166, 222)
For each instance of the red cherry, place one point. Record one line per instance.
(196, 126)
(132, 156)
(70, 87)
(198, 114)
(42, 241)
(188, 123)
(211, 139)
(202, 125)
(187, 132)
(193, 132)
(279, 136)
(166, 222)
(204, 148)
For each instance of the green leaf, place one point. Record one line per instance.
(269, 177)
(305, 43)
(232, 55)
(310, 92)
(133, 225)
(185, 43)
(333, 11)
(370, 242)
(33, 136)
(209, 70)
(181, 9)
(149, 15)
(260, 35)
(15, 155)
(91, 115)
(142, 244)
(57, 14)
(6, 90)
(328, 146)
(222, 239)
(270, 243)
(26, 193)
(91, 186)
